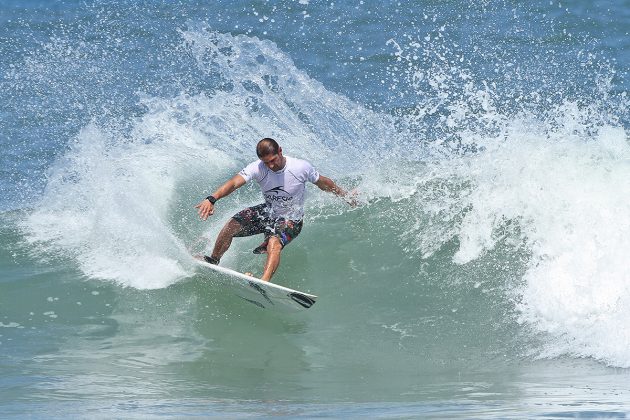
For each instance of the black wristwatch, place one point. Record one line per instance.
(211, 199)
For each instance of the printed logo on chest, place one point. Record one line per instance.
(277, 194)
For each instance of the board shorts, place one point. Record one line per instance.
(257, 219)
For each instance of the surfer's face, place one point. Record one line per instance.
(274, 162)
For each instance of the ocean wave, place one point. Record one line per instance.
(535, 199)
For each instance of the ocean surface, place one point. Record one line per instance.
(485, 275)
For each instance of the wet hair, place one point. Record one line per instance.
(266, 147)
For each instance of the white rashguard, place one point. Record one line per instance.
(284, 191)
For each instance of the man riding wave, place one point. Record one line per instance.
(282, 180)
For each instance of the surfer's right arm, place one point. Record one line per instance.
(206, 208)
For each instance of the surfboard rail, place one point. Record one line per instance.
(262, 293)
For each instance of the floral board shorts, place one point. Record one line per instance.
(257, 219)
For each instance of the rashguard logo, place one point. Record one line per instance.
(277, 194)
(276, 190)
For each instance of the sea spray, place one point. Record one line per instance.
(110, 200)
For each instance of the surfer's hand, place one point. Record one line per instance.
(205, 208)
(352, 198)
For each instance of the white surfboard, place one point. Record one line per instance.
(262, 293)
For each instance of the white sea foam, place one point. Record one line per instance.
(568, 195)
(578, 284)
(107, 206)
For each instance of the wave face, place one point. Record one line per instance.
(490, 153)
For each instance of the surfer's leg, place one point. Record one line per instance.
(224, 240)
(283, 232)
(247, 222)
(274, 248)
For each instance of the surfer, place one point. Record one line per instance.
(282, 180)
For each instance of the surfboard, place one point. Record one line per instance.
(261, 293)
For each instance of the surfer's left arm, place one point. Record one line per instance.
(328, 185)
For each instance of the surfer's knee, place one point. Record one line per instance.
(231, 228)
(274, 245)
